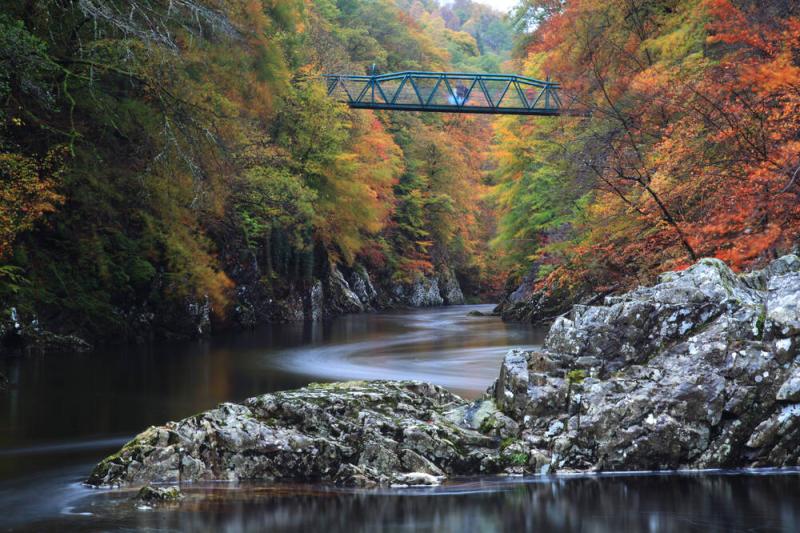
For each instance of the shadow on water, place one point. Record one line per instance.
(65, 412)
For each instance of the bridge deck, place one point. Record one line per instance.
(448, 92)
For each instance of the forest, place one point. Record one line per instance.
(170, 168)
(690, 149)
(160, 158)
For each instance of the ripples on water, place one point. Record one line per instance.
(65, 412)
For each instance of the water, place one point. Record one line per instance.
(65, 412)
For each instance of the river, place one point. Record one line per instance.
(65, 412)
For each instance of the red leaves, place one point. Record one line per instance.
(694, 140)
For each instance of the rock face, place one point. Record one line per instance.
(422, 292)
(339, 297)
(449, 288)
(527, 303)
(353, 433)
(23, 334)
(699, 371)
(361, 284)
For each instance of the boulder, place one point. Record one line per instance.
(159, 495)
(356, 433)
(422, 292)
(687, 373)
(449, 289)
(697, 371)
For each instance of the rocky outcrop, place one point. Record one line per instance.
(422, 292)
(361, 285)
(698, 371)
(352, 433)
(449, 289)
(701, 370)
(339, 297)
(23, 334)
(159, 495)
(533, 304)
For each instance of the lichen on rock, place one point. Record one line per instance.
(697, 371)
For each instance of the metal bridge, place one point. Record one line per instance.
(447, 92)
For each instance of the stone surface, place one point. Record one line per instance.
(449, 289)
(159, 495)
(357, 433)
(422, 292)
(684, 374)
(529, 303)
(697, 371)
(339, 297)
(361, 284)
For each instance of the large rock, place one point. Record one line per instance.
(697, 371)
(536, 305)
(694, 372)
(449, 288)
(422, 292)
(351, 433)
(340, 298)
(361, 285)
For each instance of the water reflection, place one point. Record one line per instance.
(64, 413)
(59, 398)
(655, 503)
(73, 409)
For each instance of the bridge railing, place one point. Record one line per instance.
(450, 92)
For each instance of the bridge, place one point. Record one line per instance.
(447, 92)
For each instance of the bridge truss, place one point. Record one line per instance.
(447, 92)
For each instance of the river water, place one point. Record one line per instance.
(65, 412)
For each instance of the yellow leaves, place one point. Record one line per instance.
(27, 192)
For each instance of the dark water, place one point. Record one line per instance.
(65, 412)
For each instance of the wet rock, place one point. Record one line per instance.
(361, 285)
(357, 433)
(159, 495)
(24, 334)
(697, 371)
(424, 292)
(416, 479)
(783, 306)
(449, 289)
(677, 375)
(536, 304)
(790, 390)
(340, 298)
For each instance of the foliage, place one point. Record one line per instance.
(146, 147)
(690, 149)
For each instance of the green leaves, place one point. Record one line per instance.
(272, 198)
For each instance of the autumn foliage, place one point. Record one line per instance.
(690, 149)
(155, 156)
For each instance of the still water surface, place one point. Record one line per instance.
(65, 412)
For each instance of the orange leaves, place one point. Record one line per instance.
(693, 143)
(27, 192)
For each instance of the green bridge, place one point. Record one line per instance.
(447, 92)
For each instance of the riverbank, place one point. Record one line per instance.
(340, 291)
(697, 371)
